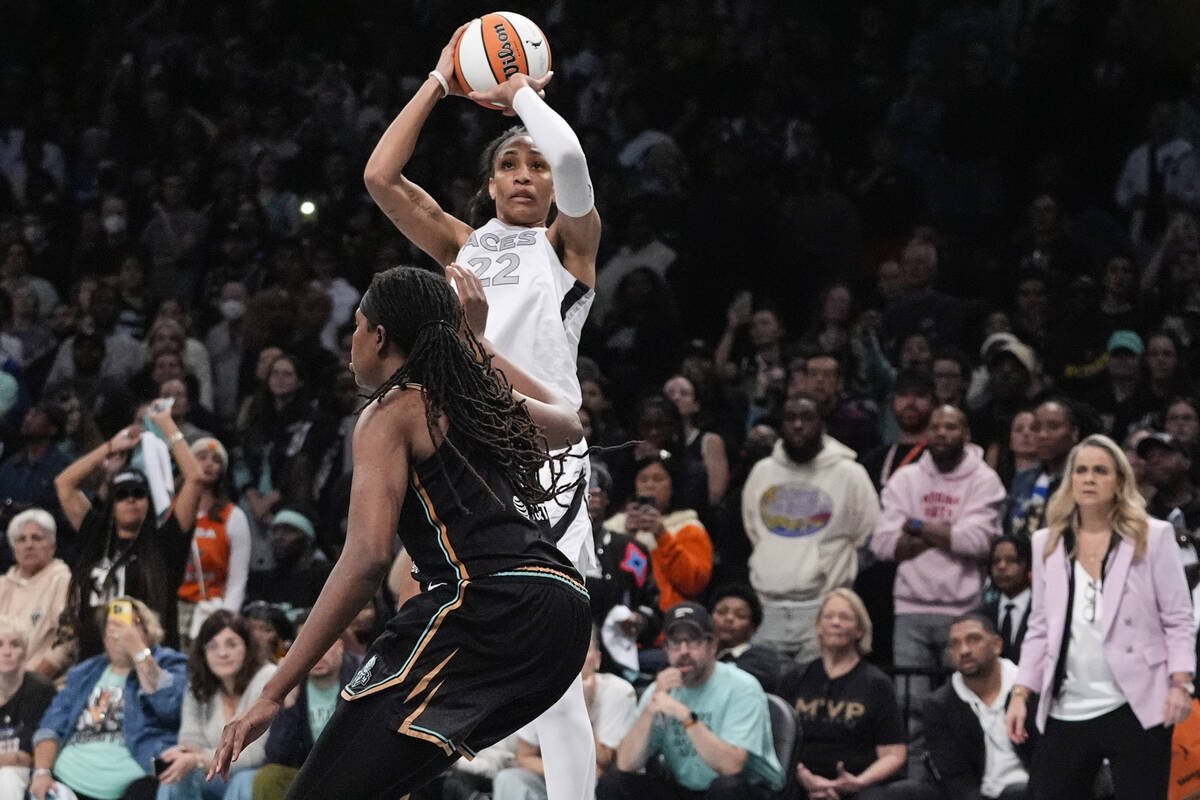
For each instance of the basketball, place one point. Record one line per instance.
(497, 46)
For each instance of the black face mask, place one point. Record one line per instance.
(804, 453)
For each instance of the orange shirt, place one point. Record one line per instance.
(212, 540)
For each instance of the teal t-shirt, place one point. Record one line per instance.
(321, 703)
(733, 706)
(95, 761)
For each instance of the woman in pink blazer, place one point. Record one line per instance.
(1110, 645)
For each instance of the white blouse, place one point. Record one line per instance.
(1089, 689)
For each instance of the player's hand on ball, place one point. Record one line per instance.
(472, 297)
(445, 63)
(502, 96)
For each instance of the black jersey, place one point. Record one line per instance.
(458, 527)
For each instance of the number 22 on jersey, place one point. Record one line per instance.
(506, 269)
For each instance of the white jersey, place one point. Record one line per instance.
(536, 312)
(536, 309)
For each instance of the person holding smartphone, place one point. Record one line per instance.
(681, 552)
(118, 710)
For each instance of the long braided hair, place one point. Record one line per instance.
(422, 317)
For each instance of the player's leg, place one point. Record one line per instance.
(360, 755)
(568, 747)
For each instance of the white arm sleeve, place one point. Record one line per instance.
(554, 137)
(238, 530)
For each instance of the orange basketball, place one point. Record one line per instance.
(495, 47)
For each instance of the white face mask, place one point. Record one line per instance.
(114, 224)
(232, 309)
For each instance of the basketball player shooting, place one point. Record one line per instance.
(538, 276)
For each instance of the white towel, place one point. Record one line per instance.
(156, 463)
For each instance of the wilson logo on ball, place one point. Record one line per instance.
(497, 46)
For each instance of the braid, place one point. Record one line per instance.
(459, 380)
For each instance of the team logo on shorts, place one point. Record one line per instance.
(520, 506)
(363, 676)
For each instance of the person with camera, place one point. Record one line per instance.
(118, 710)
(681, 552)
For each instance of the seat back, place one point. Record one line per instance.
(785, 728)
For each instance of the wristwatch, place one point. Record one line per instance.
(138, 658)
(692, 721)
(1187, 686)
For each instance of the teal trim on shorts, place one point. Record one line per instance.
(546, 574)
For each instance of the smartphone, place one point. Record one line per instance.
(645, 500)
(160, 765)
(121, 610)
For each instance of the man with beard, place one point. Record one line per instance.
(912, 403)
(939, 518)
(708, 721)
(806, 509)
(969, 751)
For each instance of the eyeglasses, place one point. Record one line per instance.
(129, 493)
(690, 642)
(1090, 596)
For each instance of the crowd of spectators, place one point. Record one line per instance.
(870, 271)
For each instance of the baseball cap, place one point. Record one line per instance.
(688, 614)
(1159, 440)
(1126, 340)
(131, 477)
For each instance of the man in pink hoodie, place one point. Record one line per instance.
(939, 518)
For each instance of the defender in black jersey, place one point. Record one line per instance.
(447, 453)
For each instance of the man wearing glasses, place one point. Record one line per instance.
(706, 722)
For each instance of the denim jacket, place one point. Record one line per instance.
(151, 720)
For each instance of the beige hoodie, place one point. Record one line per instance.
(807, 521)
(37, 602)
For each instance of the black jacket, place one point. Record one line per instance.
(626, 578)
(954, 741)
(992, 610)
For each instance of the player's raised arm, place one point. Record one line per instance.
(407, 205)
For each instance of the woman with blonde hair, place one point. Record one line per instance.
(841, 756)
(24, 697)
(1110, 645)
